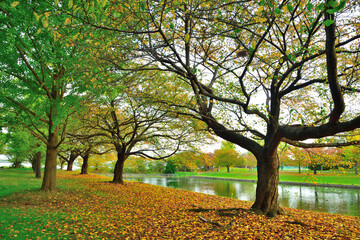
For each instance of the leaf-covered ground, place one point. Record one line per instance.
(89, 207)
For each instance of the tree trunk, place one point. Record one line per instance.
(16, 164)
(70, 165)
(315, 169)
(267, 187)
(37, 164)
(49, 180)
(356, 167)
(299, 168)
(228, 168)
(85, 165)
(119, 166)
(73, 155)
(118, 171)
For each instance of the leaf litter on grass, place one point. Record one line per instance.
(90, 207)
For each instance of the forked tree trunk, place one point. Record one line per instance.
(267, 187)
(49, 180)
(37, 164)
(72, 158)
(119, 166)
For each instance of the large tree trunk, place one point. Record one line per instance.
(118, 171)
(37, 164)
(119, 166)
(49, 180)
(267, 186)
(228, 168)
(70, 166)
(85, 165)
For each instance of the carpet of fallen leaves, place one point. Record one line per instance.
(90, 207)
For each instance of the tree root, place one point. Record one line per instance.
(218, 226)
(298, 223)
(226, 212)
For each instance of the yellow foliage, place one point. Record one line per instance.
(68, 21)
(14, 4)
(45, 22)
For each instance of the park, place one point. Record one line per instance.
(260, 91)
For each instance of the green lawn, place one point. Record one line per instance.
(323, 177)
(10, 182)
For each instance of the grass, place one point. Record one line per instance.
(10, 183)
(89, 207)
(323, 177)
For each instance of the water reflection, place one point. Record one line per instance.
(323, 199)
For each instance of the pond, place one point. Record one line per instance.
(322, 199)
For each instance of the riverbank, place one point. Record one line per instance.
(282, 182)
(328, 178)
(89, 207)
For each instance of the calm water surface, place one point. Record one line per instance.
(322, 199)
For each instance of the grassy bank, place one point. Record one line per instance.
(323, 177)
(89, 207)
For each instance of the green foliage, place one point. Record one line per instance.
(226, 145)
(170, 167)
(19, 145)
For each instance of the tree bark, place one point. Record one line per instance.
(70, 166)
(228, 168)
(85, 165)
(70, 163)
(37, 164)
(49, 180)
(119, 166)
(118, 172)
(267, 187)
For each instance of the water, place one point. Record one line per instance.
(322, 199)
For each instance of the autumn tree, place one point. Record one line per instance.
(260, 73)
(227, 156)
(137, 125)
(205, 161)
